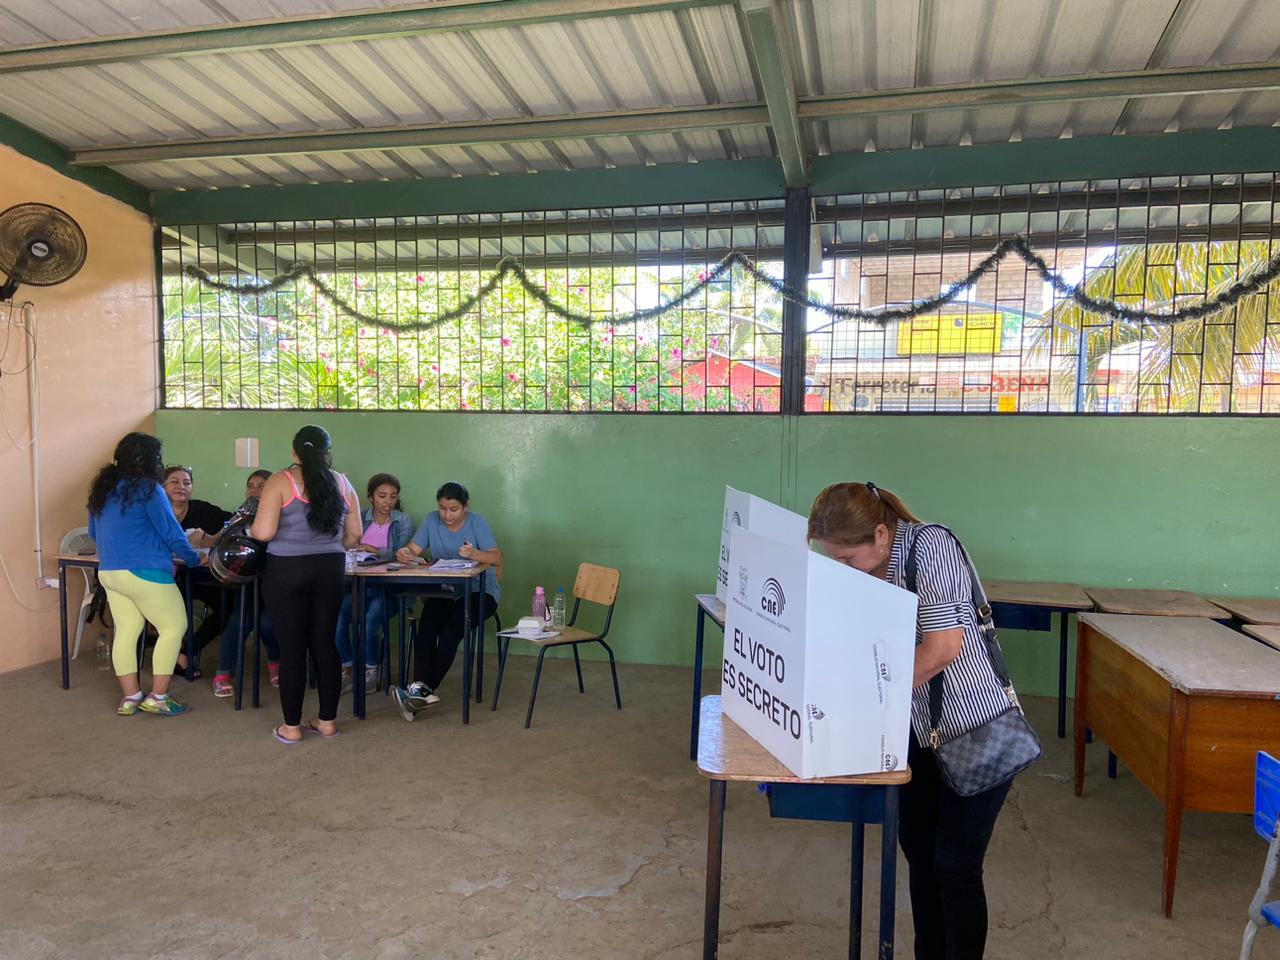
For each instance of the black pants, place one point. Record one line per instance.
(439, 633)
(303, 595)
(944, 837)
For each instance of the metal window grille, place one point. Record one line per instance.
(293, 349)
(1013, 346)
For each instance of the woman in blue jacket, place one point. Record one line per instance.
(138, 536)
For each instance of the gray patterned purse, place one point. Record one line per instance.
(993, 752)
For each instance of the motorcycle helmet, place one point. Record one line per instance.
(236, 557)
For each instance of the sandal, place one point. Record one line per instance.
(223, 687)
(310, 727)
(275, 732)
(189, 673)
(273, 671)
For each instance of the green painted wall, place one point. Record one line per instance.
(1179, 502)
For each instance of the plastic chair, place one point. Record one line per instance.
(595, 584)
(73, 541)
(1266, 811)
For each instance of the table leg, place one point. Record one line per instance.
(240, 637)
(1062, 675)
(888, 873)
(715, 847)
(1175, 782)
(191, 633)
(695, 713)
(257, 646)
(468, 652)
(62, 615)
(1082, 703)
(1111, 765)
(357, 623)
(855, 891)
(479, 629)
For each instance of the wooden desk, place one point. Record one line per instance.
(1251, 609)
(726, 752)
(708, 606)
(1155, 603)
(1063, 599)
(1186, 703)
(1268, 633)
(410, 575)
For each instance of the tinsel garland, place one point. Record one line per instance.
(510, 266)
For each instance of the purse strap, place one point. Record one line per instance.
(986, 629)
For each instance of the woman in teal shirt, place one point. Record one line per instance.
(452, 532)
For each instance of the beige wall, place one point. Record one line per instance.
(97, 368)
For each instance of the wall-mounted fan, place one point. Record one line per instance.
(39, 245)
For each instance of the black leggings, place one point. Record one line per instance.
(303, 595)
(440, 631)
(944, 837)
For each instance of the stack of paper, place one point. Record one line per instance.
(446, 565)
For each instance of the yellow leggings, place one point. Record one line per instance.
(134, 601)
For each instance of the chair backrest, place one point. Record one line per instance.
(1266, 796)
(596, 584)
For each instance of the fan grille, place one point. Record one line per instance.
(40, 245)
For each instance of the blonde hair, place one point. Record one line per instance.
(848, 513)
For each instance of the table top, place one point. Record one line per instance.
(713, 605)
(1196, 656)
(1268, 633)
(78, 557)
(418, 570)
(1251, 609)
(1155, 603)
(1062, 596)
(727, 752)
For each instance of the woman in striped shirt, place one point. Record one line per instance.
(944, 836)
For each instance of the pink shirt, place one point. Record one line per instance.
(376, 534)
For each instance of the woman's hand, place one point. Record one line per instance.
(404, 555)
(466, 551)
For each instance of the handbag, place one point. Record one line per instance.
(994, 752)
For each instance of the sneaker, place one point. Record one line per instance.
(418, 695)
(370, 679)
(346, 680)
(401, 697)
(168, 707)
(128, 706)
(432, 698)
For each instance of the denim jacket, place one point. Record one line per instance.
(401, 532)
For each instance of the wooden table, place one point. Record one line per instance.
(1044, 599)
(1155, 603)
(1186, 703)
(411, 575)
(726, 752)
(1268, 633)
(1251, 609)
(708, 606)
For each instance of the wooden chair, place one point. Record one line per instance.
(595, 584)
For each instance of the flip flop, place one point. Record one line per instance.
(275, 732)
(312, 728)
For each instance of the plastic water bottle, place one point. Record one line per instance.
(557, 610)
(540, 604)
(103, 652)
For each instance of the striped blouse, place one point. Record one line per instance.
(972, 694)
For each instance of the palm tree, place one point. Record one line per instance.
(1195, 366)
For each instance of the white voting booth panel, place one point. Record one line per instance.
(759, 516)
(818, 659)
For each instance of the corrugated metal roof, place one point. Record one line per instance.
(645, 61)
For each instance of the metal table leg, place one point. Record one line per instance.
(695, 713)
(257, 646)
(715, 848)
(62, 615)
(468, 651)
(888, 872)
(357, 621)
(240, 637)
(855, 891)
(1062, 676)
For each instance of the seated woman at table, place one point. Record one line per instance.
(387, 528)
(138, 537)
(451, 532)
(232, 640)
(943, 835)
(202, 521)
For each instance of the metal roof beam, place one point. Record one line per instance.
(577, 126)
(1179, 82)
(440, 17)
(246, 257)
(764, 19)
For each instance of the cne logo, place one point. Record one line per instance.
(773, 601)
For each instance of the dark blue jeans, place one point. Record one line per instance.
(375, 599)
(231, 638)
(944, 837)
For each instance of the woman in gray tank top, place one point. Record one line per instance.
(308, 515)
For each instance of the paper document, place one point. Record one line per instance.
(540, 635)
(444, 565)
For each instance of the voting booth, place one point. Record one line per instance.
(760, 516)
(818, 657)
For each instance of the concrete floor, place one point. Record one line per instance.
(200, 837)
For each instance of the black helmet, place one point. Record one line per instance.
(236, 557)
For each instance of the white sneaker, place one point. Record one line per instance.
(432, 698)
(401, 697)
(370, 679)
(417, 696)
